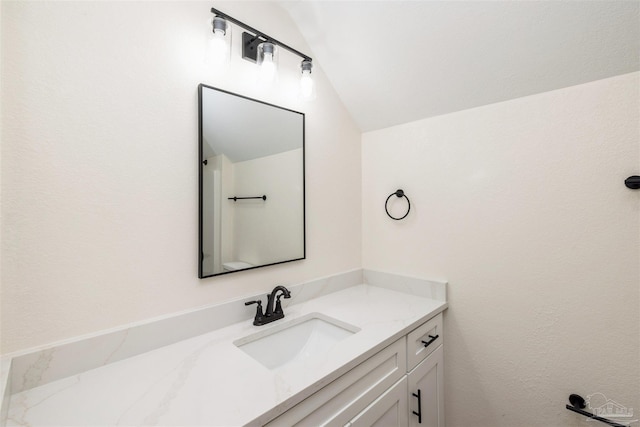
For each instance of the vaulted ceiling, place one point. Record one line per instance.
(393, 62)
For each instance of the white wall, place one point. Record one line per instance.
(100, 169)
(521, 206)
(272, 230)
(1, 173)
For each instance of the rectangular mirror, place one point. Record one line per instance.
(251, 183)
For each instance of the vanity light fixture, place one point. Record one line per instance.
(263, 49)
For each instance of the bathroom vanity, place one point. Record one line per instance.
(379, 390)
(356, 349)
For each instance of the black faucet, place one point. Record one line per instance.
(274, 307)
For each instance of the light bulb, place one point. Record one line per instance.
(307, 85)
(268, 68)
(268, 63)
(219, 47)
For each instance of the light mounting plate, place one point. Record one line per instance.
(250, 46)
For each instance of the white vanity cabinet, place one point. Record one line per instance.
(382, 391)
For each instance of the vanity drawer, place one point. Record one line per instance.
(430, 333)
(340, 401)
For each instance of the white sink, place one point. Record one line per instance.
(310, 337)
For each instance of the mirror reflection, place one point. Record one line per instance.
(251, 183)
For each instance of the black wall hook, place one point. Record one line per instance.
(399, 193)
(633, 182)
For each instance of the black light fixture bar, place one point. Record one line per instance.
(259, 33)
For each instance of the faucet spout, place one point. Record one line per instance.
(274, 307)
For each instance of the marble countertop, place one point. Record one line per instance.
(207, 380)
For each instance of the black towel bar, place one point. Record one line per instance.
(234, 198)
(577, 403)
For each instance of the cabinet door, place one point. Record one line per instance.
(338, 402)
(426, 392)
(390, 409)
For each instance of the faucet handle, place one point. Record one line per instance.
(257, 320)
(278, 308)
(254, 302)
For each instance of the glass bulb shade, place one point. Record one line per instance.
(220, 42)
(268, 62)
(307, 86)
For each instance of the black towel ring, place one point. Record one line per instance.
(398, 193)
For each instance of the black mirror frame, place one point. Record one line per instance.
(201, 86)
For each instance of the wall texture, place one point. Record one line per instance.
(99, 164)
(521, 207)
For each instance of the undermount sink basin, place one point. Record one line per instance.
(309, 337)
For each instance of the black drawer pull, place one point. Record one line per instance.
(426, 343)
(419, 413)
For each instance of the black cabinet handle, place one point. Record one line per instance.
(426, 343)
(419, 413)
